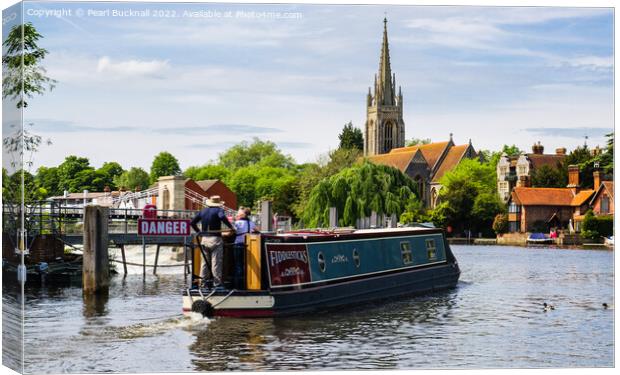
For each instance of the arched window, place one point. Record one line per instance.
(419, 186)
(388, 130)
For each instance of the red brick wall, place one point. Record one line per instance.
(596, 206)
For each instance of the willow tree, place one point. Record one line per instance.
(356, 192)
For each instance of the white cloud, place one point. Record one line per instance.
(132, 67)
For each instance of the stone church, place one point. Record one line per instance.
(384, 136)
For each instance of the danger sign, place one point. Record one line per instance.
(164, 227)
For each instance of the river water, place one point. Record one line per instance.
(493, 319)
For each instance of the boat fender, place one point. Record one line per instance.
(203, 307)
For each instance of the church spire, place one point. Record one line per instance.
(385, 95)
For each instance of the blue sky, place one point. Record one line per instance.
(129, 87)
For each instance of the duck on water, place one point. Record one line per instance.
(304, 271)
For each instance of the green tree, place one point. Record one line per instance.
(23, 74)
(492, 157)
(582, 157)
(48, 179)
(207, 172)
(109, 171)
(548, 177)
(606, 158)
(132, 179)
(68, 172)
(258, 152)
(164, 164)
(417, 141)
(468, 197)
(328, 165)
(351, 137)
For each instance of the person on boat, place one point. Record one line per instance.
(211, 218)
(243, 226)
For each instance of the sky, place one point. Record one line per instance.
(195, 79)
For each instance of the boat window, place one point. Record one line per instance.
(431, 249)
(356, 258)
(321, 261)
(405, 252)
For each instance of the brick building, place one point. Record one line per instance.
(516, 171)
(561, 208)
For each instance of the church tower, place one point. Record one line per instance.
(385, 128)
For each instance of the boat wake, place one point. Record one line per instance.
(190, 322)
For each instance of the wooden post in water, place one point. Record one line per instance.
(95, 268)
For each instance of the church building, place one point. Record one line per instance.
(384, 136)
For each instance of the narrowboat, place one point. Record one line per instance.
(300, 272)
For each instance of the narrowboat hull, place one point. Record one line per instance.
(242, 304)
(282, 297)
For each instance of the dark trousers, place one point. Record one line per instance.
(239, 259)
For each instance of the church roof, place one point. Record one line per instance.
(399, 160)
(454, 156)
(431, 151)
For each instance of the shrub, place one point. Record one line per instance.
(500, 223)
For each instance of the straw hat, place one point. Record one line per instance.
(214, 201)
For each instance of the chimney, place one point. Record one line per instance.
(538, 149)
(524, 181)
(597, 176)
(573, 176)
(596, 151)
(560, 151)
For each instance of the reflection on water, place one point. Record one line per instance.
(494, 318)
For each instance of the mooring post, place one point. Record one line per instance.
(124, 259)
(156, 260)
(95, 268)
(143, 258)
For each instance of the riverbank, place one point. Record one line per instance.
(524, 243)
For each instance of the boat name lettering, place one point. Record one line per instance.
(277, 257)
(340, 258)
(292, 271)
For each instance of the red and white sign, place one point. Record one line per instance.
(288, 264)
(164, 227)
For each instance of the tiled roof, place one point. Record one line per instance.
(399, 160)
(454, 156)
(431, 152)
(607, 185)
(552, 160)
(542, 196)
(581, 197)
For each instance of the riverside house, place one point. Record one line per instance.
(541, 209)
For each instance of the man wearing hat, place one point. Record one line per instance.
(211, 218)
